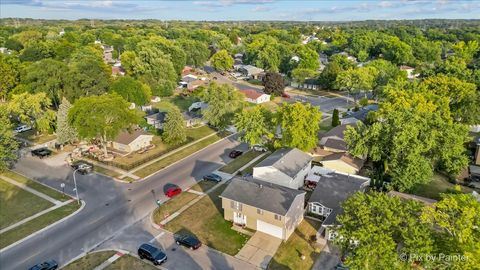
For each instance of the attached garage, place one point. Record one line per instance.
(270, 229)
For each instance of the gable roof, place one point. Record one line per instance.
(340, 145)
(126, 138)
(252, 94)
(260, 194)
(337, 131)
(159, 117)
(287, 160)
(357, 163)
(333, 188)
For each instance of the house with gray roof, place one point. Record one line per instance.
(332, 189)
(272, 209)
(334, 139)
(286, 167)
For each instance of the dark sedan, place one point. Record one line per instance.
(235, 154)
(212, 177)
(42, 152)
(187, 240)
(48, 265)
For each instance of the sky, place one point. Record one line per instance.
(284, 10)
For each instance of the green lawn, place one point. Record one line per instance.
(199, 132)
(326, 124)
(17, 204)
(172, 205)
(203, 186)
(36, 224)
(127, 262)
(31, 136)
(57, 195)
(90, 261)
(164, 162)
(300, 243)
(105, 171)
(249, 169)
(181, 102)
(438, 185)
(240, 161)
(205, 220)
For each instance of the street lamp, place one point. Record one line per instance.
(75, 182)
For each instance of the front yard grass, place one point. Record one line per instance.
(240, 161)
(249, 169)
(172, 205)
(36, 224)
(326, 125)
(38, 139)
(203, 186)
(438, 185)
(164, 162)
(17, 204)
(90, 261)
(181, 102)
(57, 195)
(105, 171)
(300, 243)
(128, 262)
(205, 220)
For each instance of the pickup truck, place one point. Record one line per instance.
(42, 152)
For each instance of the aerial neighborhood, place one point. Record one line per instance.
(150, 142)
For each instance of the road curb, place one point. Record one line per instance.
(43, 229)
(83, 254)
(154, 225)
(45, 185)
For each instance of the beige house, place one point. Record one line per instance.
(263, 206)
(342, 162)
(255, 97)
(131, 142)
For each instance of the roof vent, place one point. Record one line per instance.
(260, 185)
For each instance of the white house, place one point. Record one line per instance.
(286, 167)
(253, 96)
(410, 72)
(131, 142)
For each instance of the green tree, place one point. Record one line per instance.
(396, 51)
(299, 125)
(197, 51)
(8, 143)
(255, 125)
(101, 117)
(300, 74)
(65, 132)
(131, 90)
(273, 83)
(467, 50)
(337, 64)
(177, 55)
(356, 80)
(223, 102)
(32, 109)
(386, 72)
(222, 60)
(10, 70)
(35, 52)
(128, 60)
(88, 75)
(335, 118)
(174, 130)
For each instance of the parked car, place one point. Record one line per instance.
(212, 177)
(235, 154)
(82, 167)
(48, 265)
(259, 148)
(187, 240)
(22, 128)
(152, 253)
(285, 95)
(173, 191)
(42, 152)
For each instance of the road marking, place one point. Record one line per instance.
(156, 237)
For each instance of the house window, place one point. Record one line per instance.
(236, 205)
(259, 211)
(278, 217)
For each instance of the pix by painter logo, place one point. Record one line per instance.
(414, 257)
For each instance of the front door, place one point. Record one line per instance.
(239, 218)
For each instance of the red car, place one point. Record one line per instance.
(173, 191)
(285, 95)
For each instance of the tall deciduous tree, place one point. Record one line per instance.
(174, 130)
(32, 109)
(223, 101)
(299, 125)
(131, 90)
(255, 125)
(65, 132)
(356, 80)
(8, 143)
(10, 70)
(101, 117)
(273, 83)
(197, 51)
(88, 75)
(222, 60)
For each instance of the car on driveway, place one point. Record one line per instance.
(173, 191)
(82, 167)
(22, 128)
(42, 152)
(48, 265)
(152, 253)
(212, 177)
(235, 154)
(259, 148)
(187, 240)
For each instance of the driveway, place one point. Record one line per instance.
(260, 249)
(328, 259)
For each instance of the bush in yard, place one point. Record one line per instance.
(335, 118)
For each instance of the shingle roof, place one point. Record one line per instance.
(159, 117)
(347, 158)
(337, 131)
(251, 94)
(260, 194)
(287, 160)
(340, 145)
(333, 188)
(126, 138)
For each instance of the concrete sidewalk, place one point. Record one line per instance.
(31, 190)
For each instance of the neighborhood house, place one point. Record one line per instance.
(263, 206)
(249, 71)
(131, 142)
(256, 97)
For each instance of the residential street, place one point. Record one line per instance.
(110, 208)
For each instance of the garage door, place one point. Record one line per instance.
(269, 229)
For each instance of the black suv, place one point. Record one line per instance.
(48, 265)
(42, 152)
(152, 253)
(212, 177)
(187, 240)
(82, 167)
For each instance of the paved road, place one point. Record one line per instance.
(110, 206)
